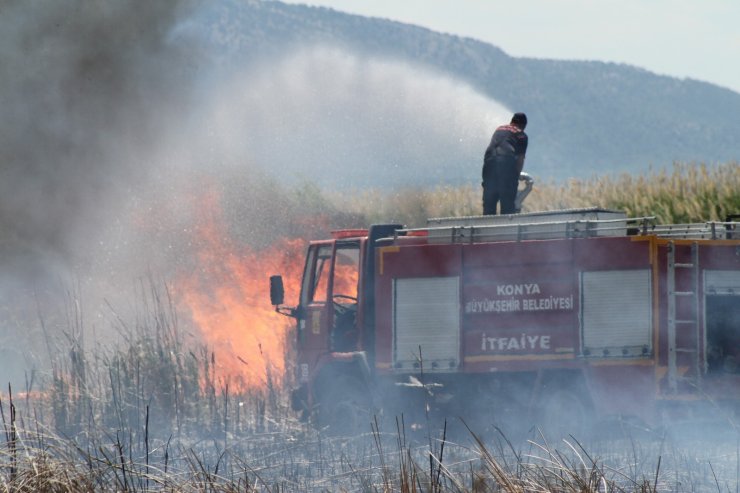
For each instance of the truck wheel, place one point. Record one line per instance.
(344, 407)
(563, 413)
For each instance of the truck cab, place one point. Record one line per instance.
(335, 317)
(330, 318)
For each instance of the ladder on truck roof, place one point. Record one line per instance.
(679, 303)
(567, 223)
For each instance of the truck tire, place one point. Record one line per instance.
(564, 413)
(344, 407)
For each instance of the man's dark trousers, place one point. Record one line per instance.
(501, 185)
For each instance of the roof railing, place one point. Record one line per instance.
(578, 228)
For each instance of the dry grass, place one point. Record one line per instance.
(689, 193)
(38, 461)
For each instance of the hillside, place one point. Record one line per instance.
(585, 117)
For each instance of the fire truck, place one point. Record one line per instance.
(579, 315)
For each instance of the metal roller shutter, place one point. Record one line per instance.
(616, 313)
(426, 312)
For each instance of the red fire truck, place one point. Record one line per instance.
(578, 314)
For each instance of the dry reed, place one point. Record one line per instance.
(688, 193)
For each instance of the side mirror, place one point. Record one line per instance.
(277, 292)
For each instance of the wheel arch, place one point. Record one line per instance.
(571, 379)
(350, 365)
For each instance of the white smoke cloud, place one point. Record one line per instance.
(107, 124)
(338, 119)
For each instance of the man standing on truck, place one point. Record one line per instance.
(502, 164)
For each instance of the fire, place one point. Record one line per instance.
(227, 296)
(346, 276)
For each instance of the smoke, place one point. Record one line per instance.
(115, 120)
(86, 88)
(341, 120)
(320, 116)
(103, 100)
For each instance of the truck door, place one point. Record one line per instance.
(329, 298)
(345, 281)
(312, 332)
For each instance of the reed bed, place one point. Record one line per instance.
(305, 459)
(693, 192)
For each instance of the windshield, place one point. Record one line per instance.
(315, 287)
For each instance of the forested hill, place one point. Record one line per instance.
(585, 117)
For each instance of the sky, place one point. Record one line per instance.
(680, 38)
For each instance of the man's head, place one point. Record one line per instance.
(520, 120)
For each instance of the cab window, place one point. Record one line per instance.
(315, 287)
(347, 272)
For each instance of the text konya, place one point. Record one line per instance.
(519, 297)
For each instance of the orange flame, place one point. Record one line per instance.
(227, 296)
(346, 277)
